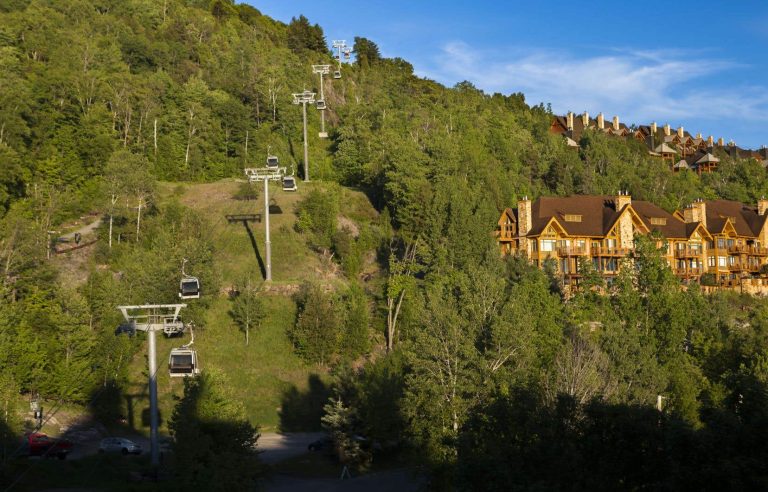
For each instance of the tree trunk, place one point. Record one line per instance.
(138, 219)
(155, 134)
(110, 231)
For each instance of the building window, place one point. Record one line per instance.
(564, 266)
(610, 243)
(722, 261)
(658, 221)
(711, 261)
(721, 243)
(572, 218)
(547, 244)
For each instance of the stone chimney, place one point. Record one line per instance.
(667, 130)
(585, 119)
(622, 199)
(525, 223)
(680, 132)
(720, 142)
(711, 141)
(600, 121)
(698, 135)
(626, 233)
(524, 216)
(731, 143)
(616, 123)
(653, 128)
(569, 121)
(762, 206)
(696, 212)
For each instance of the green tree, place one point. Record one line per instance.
(248, 309)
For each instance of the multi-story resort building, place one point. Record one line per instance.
(725, 240)
(677, 146)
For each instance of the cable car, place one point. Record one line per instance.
(320, 103)
(172, 325)
(289, 183)
(337, 74)
(346, 54)
(189, 288)
(272, 161)
(183, 362)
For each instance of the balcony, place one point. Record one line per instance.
(748, 250)
(571, 251)
(688, 253)
(689, 272)
(506, 235)
(601, 251)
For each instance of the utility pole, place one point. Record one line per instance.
(153, 318)
(266, 174)
(321, 70)
(303, 98)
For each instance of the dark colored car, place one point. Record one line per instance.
(323, 443)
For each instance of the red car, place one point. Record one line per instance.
(42, 445)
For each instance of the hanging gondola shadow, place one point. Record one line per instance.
(274, 208)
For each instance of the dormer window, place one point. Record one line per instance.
(572, 218)
(658, 221)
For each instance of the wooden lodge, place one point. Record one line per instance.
(725, 239)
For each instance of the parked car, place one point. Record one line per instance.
(42, 445)
(323, 443)
(119, 445)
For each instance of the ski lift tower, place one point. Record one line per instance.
(321, 70)
(152, 318)
(268, 174)
(305, 98)
(340, 46)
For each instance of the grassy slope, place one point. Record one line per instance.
(265, 374)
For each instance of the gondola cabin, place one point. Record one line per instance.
(337, 74)
(272, 161)
(289, 183)
(320, 104)
(182, 363)
(189, 288)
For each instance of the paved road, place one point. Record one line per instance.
(277, 447)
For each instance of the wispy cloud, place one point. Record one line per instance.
(639, 85)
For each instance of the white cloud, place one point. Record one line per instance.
(640, 86)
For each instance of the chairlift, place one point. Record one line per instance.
(289, 183)
(320, 104)
(183, 360)
(337, 74)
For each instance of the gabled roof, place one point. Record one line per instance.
(507, 213)
(673, 228)
(708, 159)
(745, 219)
(681, 164)
(665, 149)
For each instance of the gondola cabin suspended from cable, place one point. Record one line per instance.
(289, 183)
(346, 54)
(189, 288)
(182, 363)
(337, 74)
(272, 161)
(320, 104)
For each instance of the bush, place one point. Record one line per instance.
(317, 215)
(316, 332)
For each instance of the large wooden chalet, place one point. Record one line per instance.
(726, 239)
(682, 150)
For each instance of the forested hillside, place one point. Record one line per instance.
(429, 343)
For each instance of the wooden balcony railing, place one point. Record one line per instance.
(748, 250)
(571, 251)
(601, 251)
(687, 253)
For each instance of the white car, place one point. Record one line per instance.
(119, 445)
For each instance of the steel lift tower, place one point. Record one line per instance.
(321, 70)
(305, 98)
(152, 318)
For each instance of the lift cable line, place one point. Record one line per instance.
(305, 98)
(320, 103)
(152, 318)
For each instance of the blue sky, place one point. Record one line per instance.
(701, 65)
